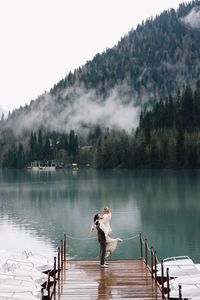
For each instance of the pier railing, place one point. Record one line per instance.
(147, 254)
(152, 266)
(58, 266)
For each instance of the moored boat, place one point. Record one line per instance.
(187, 292)
(178, 270)
(177, 266)
(40, 262)
(176, 260)
(10, 285)
(183, 280)
(17, 296)
(25, 270)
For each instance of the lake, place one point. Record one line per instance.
(37, 208)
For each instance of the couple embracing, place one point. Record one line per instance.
(107, 244)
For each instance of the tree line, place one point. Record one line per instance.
(168, 136)
(43, 146)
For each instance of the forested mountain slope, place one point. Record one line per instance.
(152, 60)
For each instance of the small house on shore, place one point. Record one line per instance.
(45, 165)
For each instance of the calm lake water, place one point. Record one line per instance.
(36, 208)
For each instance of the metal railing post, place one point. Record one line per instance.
(180, 293)
(54, 282)
(162, 279)
(146, 254)
(168, 296)
(151, 261)
(141, 252)
(58, 263)
(65, 247)
(155, 266)
(61, 253)
(48, 286)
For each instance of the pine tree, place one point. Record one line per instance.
(47, 149)
(187, 109)
(20, 157)
(178, 110)
(2, 117)
(73, 144)
(40, 145)
(66, 145)
(180, 147)
(197, 106)
(33, 146)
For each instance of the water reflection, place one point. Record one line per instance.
(163, 205)
(170, 210)
(17, 238)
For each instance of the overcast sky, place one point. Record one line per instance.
(42, 40)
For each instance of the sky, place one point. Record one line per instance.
(42, 40)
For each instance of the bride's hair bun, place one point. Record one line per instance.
(106, 209)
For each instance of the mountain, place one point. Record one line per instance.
(148, 63)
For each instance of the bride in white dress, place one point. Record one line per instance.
(111, 244)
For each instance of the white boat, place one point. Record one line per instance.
(23, 277)
(10, 285)
(178, 266)
(40, 262)
(4, 277)
(183, 280)
(24, 269)
(176, 260)
(179, 270)
(18, 296)
(37, 276)
(187, 291)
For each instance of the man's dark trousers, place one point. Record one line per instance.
(102, 242)
(102, 251)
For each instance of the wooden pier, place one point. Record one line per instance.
(123, 279)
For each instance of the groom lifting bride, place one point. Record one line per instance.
(107, 244)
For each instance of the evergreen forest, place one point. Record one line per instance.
(168, 136)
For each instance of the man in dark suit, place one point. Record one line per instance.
(101, 233)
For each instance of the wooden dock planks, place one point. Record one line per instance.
(123, 279)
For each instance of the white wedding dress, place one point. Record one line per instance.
(111, 244)
(106, 222)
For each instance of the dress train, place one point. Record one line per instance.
(111, 245)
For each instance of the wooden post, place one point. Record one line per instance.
(58, 263)
(146, 254)
(180, 294)
(48, 286)
(151, 261)
(155, 266)
(65, 247)
(54, 283)
(162, 279)
(168, 283)
(61, 253)
(141, 252)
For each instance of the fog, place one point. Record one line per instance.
(192, 19)
(80, 109)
